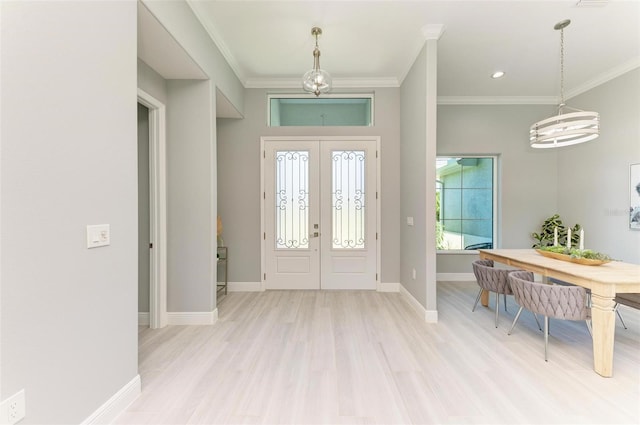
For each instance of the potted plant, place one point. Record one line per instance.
(546, 235)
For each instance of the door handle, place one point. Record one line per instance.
(314, 235)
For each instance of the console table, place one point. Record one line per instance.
(222, 264)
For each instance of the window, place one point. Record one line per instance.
(328, 110)
(465, 202)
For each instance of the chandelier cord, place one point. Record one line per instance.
(561, 67)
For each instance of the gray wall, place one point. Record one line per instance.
(593, 177)
(144, 236)
(68, 332)
(586, 183)
(178, 18)
(239, 179)
(527, 177)
(191, 192)
(413, 153)
(151, 82)
(191, 158)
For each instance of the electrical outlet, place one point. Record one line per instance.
(14, 408)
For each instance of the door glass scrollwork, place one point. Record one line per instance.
(292, 199)
(348, 199)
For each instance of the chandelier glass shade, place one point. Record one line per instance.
(565, 128)
(316, 80)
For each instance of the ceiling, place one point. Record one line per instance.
(374, 43)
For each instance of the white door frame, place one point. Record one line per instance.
(158, 209)
(263, 139)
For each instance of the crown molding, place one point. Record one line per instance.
(342, 83)
(497, 100)
(433, 31)
(605, 77)
(196, 7)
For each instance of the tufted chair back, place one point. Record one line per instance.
(493, 280)
(557, 301)
(490, 278)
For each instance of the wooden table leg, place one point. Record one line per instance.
(484, 298)
(603, 321)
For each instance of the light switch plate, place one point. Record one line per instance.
(98, 235)
(410, 221)
(13, 409)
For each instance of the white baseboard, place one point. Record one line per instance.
(412, 301)
(455, 277)
(192, 318)
(431, 316)
(244, 287)
(117, 404)
(143, 319)
(388, 287)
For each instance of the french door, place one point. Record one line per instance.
(319, 213)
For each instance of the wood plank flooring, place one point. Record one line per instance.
(345, 357)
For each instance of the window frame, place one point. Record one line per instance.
(495, 197)
(370, 96)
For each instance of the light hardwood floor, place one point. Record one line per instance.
(333, 357)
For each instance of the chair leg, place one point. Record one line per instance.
(515, 321)
(477, 299)
(497, 307)
(535, 316)
(505, 302)
(546, 337)
(620, 317)
(588, 322)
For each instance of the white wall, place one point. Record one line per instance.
(527, 177)
(68, 138)
(239, 179)
(593, 177)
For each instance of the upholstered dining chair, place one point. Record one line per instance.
(550, 300)
(493, 280)
(630, 300)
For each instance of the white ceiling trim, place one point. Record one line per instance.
(341, 83)
(497, 100)
(603, 78)
(433, 31)
(217, 39)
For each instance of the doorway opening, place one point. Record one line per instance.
(157, 184)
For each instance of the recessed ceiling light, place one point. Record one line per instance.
(497, 74)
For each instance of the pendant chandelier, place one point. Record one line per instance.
(316, 80)
(571, 126)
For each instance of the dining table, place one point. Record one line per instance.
(604, 281)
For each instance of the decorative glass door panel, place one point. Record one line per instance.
(292, 199)
(348, 199)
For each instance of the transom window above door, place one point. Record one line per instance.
(326, 111)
